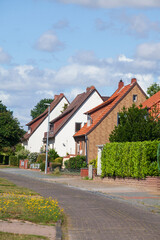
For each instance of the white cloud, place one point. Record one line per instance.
(149, 51)
(123, 58)
(4, 57)
(5, 97)
(113, 3)
(49, 42)
(139, 26)
(22, 87)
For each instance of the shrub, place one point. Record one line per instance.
(42, 158)
(22, 154)
(55, 165)
(131, 159)
(53, 154)
(32, 157)
(59, 160)
(76, 163)
(94, 163)
(13, 160)
(42, 166)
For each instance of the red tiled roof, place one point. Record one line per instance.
(60, 121)
(34, 124)
(152, 101)
(101, 111)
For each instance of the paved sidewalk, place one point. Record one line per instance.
(23, 227)
(91, 214)
(130, 194)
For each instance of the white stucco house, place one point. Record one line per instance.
(72, 120)
(33, 139)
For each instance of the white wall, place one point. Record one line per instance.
(64, 141)
(35, 141)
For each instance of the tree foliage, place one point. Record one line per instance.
(10, 130)
(154, 88)
(136, 124)
(40, 107)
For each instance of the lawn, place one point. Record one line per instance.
(24, 204)
(11, 236)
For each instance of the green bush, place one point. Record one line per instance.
(94, 163)
(131, 159)
(53, 154)
(76, 163)
(13, 160)
(42, 166)
(42, 158)
(32, 157)
(55, 165)
(22, 154)
(59, 160)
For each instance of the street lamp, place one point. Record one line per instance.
(46, 164)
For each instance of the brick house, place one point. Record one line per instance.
(153, 105)
(71, 120)
(102, 119)
(33, 139)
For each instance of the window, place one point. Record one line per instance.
(134, 98)
(77, 127)
(118, 119)
(89, 120)
(29, 130)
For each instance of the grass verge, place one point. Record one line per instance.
(24, 204)
(12, 236)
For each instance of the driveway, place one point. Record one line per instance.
(91, 214)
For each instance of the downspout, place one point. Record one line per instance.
(86, 139)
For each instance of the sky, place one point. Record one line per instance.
(49, 47)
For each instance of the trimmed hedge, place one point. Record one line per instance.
(13, 161)
(76, 163)
(130, 159)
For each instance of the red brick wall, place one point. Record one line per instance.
(151, 183)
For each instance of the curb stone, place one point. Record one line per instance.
(58, 230)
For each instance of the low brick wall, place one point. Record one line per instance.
(23, 164)
(84, 172)
(151, 183)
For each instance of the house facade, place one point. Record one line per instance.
(103, 118)
(33, 139)
(153, 105)
(72, 120)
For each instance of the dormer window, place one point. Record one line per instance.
(134, 98)
(29, 130)
(77, 126)
(89, 120)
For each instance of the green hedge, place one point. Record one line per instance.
(13, 160)
(130, 159)
(76, 163)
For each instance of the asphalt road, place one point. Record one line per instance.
(93, 216)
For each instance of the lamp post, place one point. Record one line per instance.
(46, 164)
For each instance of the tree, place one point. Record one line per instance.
(154, 88)
(10, 130)
(40, 107)
(64, 107)
(136, 124)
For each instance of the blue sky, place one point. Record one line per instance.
(53, 46)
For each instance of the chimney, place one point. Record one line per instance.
(56, 96)
(133, 80)
(120, 84)
(89, 88)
